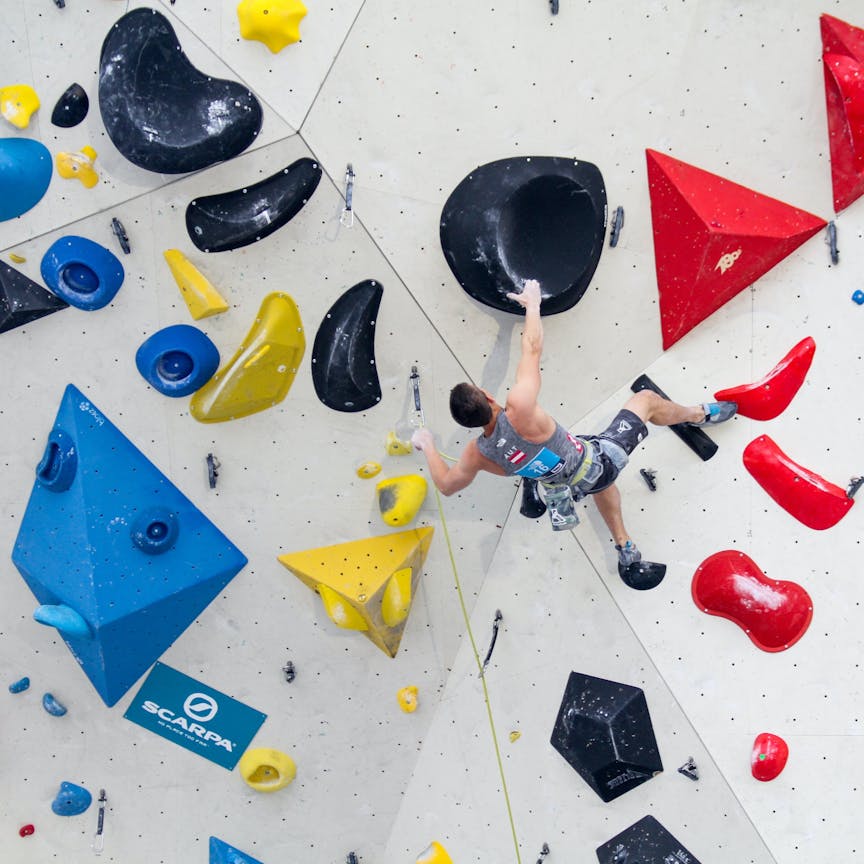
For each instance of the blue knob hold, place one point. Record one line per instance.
(858, 297)
(81, 272)
(177, 360)
(71, 800)
(20, 685)
(52, 706)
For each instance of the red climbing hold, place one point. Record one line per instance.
(770, 396)
(774, 614)
(768, 757)
(843, 66)
(713, 238)
(26, 830)
(811, 499)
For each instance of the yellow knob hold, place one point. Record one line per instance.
(396, 446)
(368, 470)
(201, 297)
(407, 699)
(340, 611)
(400, 498)
(435, 854)
(17, 103)
(78, 166)
(267, 770)
(276, 23)
(515, 735)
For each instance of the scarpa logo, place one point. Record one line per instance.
(200, 707)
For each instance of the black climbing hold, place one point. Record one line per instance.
(343, 357)
(644, 842)
(689, 769)
(289, 671)
(539, 217)
(161, 112)
(71, 107)
(692, 436)
(22, 300)
(229, 220)
(650, 478)
(532, 504)
(604, 731)
(642, 575)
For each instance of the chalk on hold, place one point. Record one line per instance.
(368, 470)
(267, 770)
(52, 706)
(395, 446)
(400, 498)
(71, 800)
(276, 23)
(435, 853)
(20, 685)
(17, 104)
(407, 699)
(78, 166)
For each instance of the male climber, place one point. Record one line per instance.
(521, 438)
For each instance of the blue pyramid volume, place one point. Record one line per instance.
(119, 559)
(222, 853)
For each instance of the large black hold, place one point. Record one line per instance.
(161, 112)
(71, 107)
(604, 731)
(538, 217)
(22, 300)
(343, 357)
(644, 842)
(229, 220)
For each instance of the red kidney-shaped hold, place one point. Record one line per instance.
(769, 756)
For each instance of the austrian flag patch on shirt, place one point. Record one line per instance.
(575, 442)
(516, 457)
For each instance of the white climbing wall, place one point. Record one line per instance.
(415, 96)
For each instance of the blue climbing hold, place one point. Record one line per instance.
(177, 360)
(119, 544)
(81, 272)
(858, 297)
(25, 173)
(52, 706)
(222, 853)
(71, 800)
(66, 620)
(20, 685)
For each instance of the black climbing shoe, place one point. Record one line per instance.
(642, 575)
(628, 554)
(717, 412)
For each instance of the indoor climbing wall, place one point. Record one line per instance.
(326, 178)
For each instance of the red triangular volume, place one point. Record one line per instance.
(713, 238)
(843, 65)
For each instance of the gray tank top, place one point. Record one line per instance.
(557, 458)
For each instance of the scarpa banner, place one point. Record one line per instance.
(194, 716)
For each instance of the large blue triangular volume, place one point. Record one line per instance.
(109, 541)
(222, 853)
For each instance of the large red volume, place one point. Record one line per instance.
(843, 66)
(713, 238)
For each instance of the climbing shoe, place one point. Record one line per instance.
(628, 554)
(717, 412)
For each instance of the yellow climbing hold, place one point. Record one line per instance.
(276, 23)
(396, 602)
(17, 104)
(78, 166)
(368, 470)
(261, 372)
(358, 575)
(196, 289)
(396, 446)
(267, 770)
(400, 498)
(407, 699)
(435, 854)
(17, 259)
(515, 735)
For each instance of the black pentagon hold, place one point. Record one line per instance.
(344, 371)
(229, 220)
(644, 842)
(71, 107)
(604, 731)
(161, 112)
(537, 217)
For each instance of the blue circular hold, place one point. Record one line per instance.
(25, 173)
(155, 530)
(81, 272)
(858, 297)
(177, 360)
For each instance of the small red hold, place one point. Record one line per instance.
(769, 756)
(26, 830)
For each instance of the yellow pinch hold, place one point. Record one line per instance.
(368, 470)
(78, 166)
(396, 602)
(340, 611)
(396, 446)
(400, 498)
(17, 259)
(267, 770)
(196, 289)
(276, 23)
(262, 370)
(407, 699)
(18, 102)
(435, 854)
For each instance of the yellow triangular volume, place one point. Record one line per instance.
(370, 575)
(340, 611)
(196, 289)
